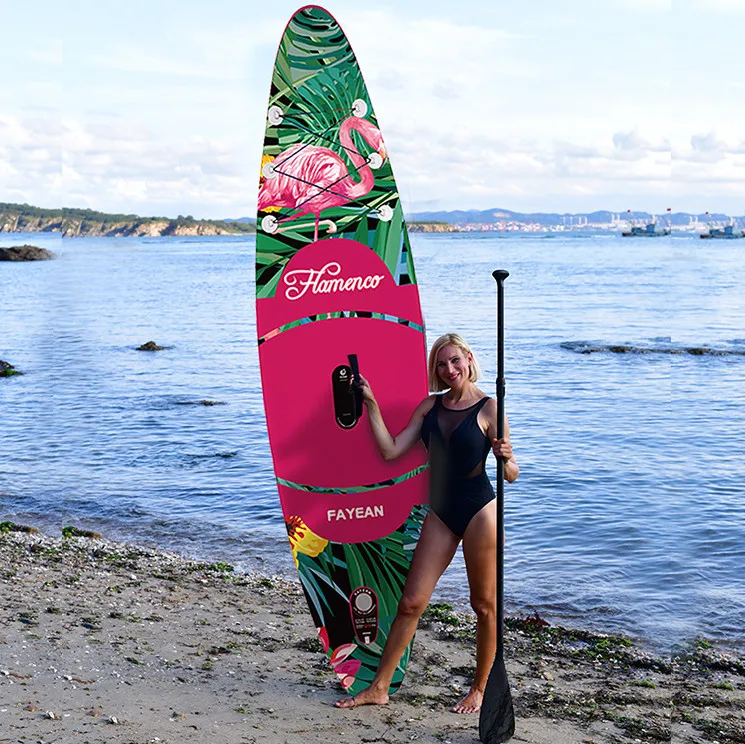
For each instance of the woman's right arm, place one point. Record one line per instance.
(392, 447)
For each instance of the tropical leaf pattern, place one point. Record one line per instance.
(330, 571)
(315, 63)
(316, 86)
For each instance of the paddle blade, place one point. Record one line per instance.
(497, 717)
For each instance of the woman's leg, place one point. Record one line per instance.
(433, 553)
(480, 553)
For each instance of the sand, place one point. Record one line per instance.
(104, 642)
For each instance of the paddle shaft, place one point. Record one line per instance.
(497, 717)
(500, 275)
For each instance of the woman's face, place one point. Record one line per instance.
(453, 366)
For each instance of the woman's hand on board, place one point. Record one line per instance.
(365, 389)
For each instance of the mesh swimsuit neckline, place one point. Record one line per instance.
(442, 399)
(459, 485)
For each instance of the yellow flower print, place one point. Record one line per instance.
(303, 539)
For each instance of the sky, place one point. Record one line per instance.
(158, 107)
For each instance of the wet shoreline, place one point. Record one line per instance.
(124, 643)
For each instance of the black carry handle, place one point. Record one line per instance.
(497, 717)
(356, 384)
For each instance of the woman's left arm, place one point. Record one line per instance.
(501, 447)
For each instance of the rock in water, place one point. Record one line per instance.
(150, 346)
(25, 253)
(8, 370)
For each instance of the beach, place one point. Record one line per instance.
(108, 642)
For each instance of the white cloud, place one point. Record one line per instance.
(495, 170)
(633, 141)
(736, 6)
(45, 52)
(411, 65)
(446, 89)
(709, 147)
(30, 158)
(117, 128)
(113, 164)
(188, 52)
(645, 5)
(134, 58)
(713, 168)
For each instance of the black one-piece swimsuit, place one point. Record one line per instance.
(459, 485)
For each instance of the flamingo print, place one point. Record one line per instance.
(311, 179)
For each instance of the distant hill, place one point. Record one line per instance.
(80, 223)
(73, 222)
(244, 220)
(491, 216)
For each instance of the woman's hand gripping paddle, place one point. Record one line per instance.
(497, 717)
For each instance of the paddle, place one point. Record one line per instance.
(497, 718)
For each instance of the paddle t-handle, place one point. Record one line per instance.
(356, 384)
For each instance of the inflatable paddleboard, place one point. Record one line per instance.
(335, 286)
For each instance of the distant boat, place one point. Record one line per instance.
(728, 232)
(650, 230)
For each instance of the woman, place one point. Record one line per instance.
(458, 428)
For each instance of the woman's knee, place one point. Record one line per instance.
(484, 607)
(412, 604)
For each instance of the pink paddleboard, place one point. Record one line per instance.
(335, 277)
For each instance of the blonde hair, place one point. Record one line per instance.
(449, 339)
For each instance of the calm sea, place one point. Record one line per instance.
(629, 515)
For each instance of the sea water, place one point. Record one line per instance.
(629, 514)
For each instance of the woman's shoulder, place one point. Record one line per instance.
(427, 404)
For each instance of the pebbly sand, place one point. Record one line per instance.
(102, 642)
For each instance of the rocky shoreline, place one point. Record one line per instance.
(148, 229)
(87, 223)
(108, 642)
(127, 229)
(162, 228)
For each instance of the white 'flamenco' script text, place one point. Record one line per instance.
(325, 281)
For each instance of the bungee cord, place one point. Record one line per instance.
(322, 137)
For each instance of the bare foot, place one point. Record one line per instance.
(470, 703)
(368, 696)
